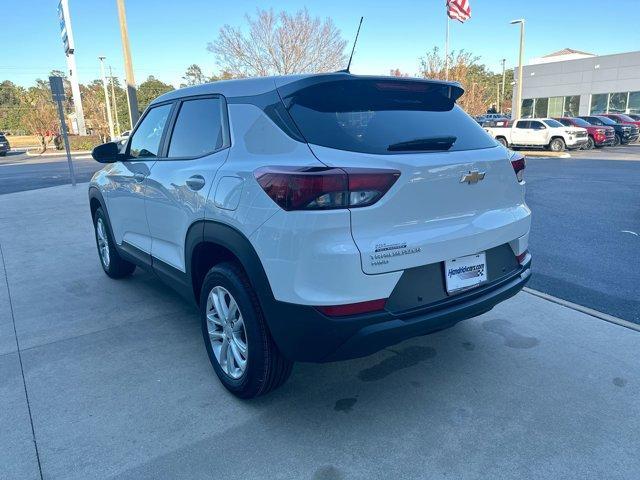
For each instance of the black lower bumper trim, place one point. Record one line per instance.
(304, 334)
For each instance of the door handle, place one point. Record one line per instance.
(139, 177)
(196, 182)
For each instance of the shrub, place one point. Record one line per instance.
(77, 142)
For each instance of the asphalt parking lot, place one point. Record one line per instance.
(109, 379)
(585, 228)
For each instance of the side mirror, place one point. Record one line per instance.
(107, 153)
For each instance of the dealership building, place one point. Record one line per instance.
(571, 83)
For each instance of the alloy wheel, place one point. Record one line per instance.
(103, 243)
(227, 332)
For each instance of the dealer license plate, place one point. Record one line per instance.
(465, 272)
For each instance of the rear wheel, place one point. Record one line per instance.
(557, 145)
(112, 264)
(238, 342)
(591, 144)
(502, 141)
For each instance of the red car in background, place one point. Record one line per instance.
(622, 118)
(599, 136)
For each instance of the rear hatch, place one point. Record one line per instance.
(457, 193)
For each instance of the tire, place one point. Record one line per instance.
(591, 144)
(617, 141)
(502, 141)
(557, 145)
(112, 264)
(252, 365)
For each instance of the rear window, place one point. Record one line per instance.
(381, 116)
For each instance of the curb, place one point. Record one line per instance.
(58, 153)
(582, 309)
(542, 153)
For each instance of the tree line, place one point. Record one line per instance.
(269, 43)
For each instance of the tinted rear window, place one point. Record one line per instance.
(382, 116)
(198, 128)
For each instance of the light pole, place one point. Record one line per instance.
(504, 61)
(518, 105)
(106, 99)
(132, 97)
(115, 102)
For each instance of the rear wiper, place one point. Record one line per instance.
(423, 144)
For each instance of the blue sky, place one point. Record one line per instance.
(167, 36)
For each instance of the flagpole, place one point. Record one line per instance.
(446, 52)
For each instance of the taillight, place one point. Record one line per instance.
(522, 256)
(353, 308)
(518, 164)
(324, 188)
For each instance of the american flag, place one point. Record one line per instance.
(459, 10)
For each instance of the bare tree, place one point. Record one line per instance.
(41, 118)
(280, 44)
(465, 69)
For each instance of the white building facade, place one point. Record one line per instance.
(571, 83)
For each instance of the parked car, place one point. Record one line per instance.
(624, 133)
(540, 132)
(487, 117)
(634, 116)
(4, 146)
(622, 118)
(598, 136)
(314, 217)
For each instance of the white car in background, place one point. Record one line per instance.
(539, 132)
(315, 217)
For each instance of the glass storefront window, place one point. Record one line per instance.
(541, 107)
(634, 102)
(555, 106)
(572, 106)
(618, 102)
(599, 103)
(527, 108)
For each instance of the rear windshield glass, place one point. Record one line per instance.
(382, 116)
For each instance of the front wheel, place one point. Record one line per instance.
(238, 342)
(617, 141)
(112, 264)
(502, 141)
(557, 145)
(590, 145)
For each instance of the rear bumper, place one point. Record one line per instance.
(304, 334)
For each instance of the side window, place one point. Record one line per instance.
(523, 124)
(566, 123)
(537, 125)
(145, 142)
(198, 128)
(594, 120)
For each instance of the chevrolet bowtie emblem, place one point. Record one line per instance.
(474, 176)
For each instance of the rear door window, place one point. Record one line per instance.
(523, 124)
(198, 128)
(381, 116)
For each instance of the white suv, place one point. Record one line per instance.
(314, 218)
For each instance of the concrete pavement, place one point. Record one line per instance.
(118, 385)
